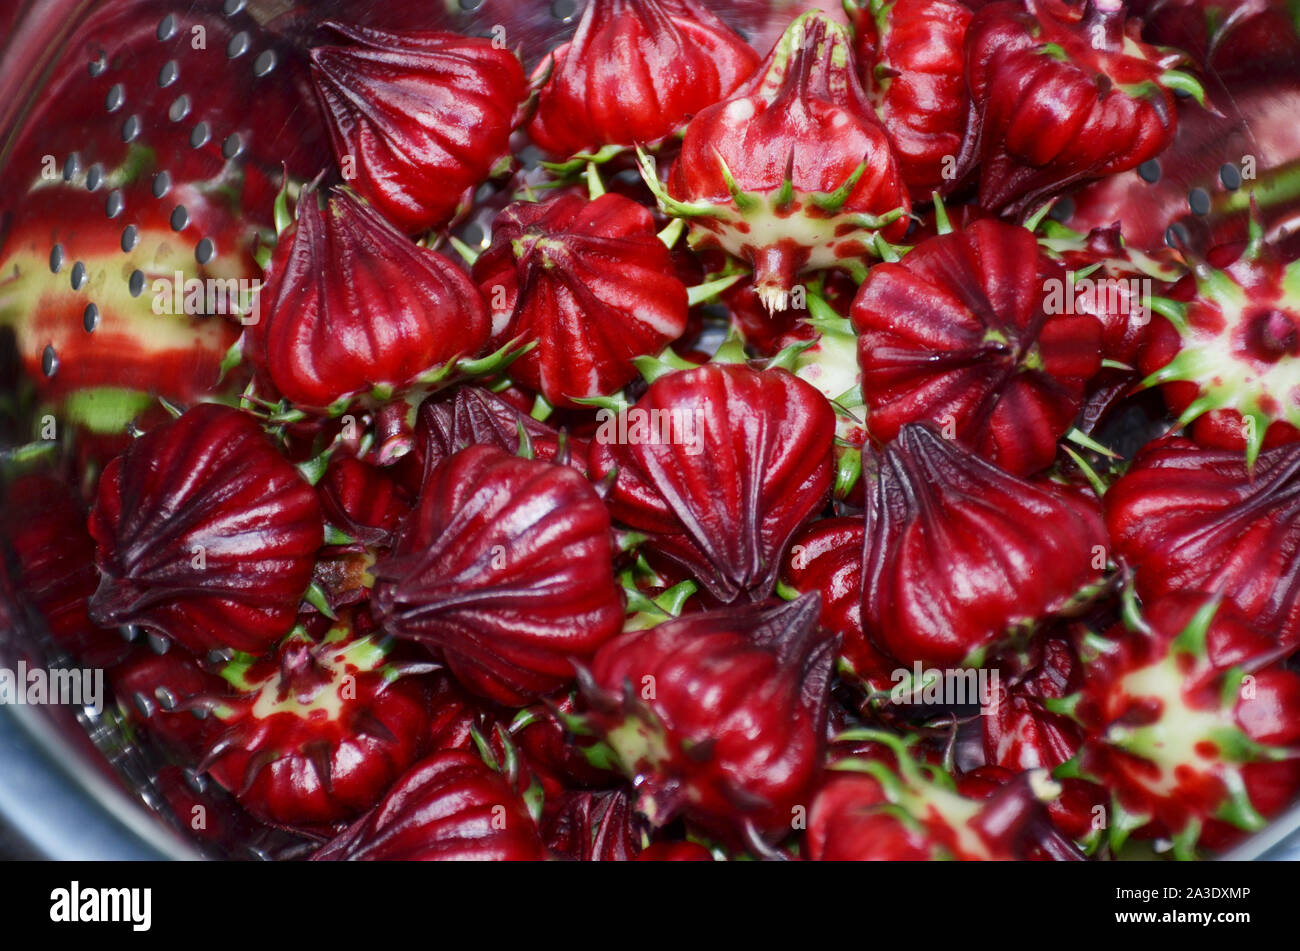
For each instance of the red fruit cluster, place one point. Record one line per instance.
(808, 496)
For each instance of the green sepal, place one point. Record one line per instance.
(317, 598)
(848, 470)
(701, 293)
(335, 536)
(1123, 824)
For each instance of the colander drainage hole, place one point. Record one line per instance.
(264, 63)
(78, 276)
(90, 318)
(162, 184)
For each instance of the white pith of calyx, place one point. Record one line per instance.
(1172, 741)
(350, 660)
(1238, 382)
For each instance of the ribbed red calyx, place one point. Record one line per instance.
(504, 568)
(889, 805)
(1113, 283)
(753, 464)
(448, 807)
(635, 72)
(417, 119)
(1064, 94)
(594, 827)
(1190, 519)
(827, 558)
(542, 738)
(910, 59)
(315, 731)
(471, 415)
(362, 501)
(590, 282)
(1233, 38)
(1022, 732)
(205, 534)
(43, 529)
(152, 691)
(1226, 347)
(719, 716)
(962, 557)
(794, 171)
(965, 333)
(1191, 723)
(353, 308)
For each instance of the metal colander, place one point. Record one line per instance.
(213, 87)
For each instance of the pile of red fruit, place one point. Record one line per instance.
(765, 484)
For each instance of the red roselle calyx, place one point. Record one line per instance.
(204, 534)
(588, 281)
(966, 332)
(594, 827)
(470, 415)
(1192, 519)
(352, 308)
(1229, 358)
(1191, 724)
(870, 809)
(1063, 94)
(1023, 731)
(362, 501)
(827, 558)
(504, 569)
(43, 528)
(717, 716)
(634, 72)
(724, 503)
(450, 806)
(153, 691)
(793, 172)
(417, 119)
(910, 58)
(316, 730)
(961, 557)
